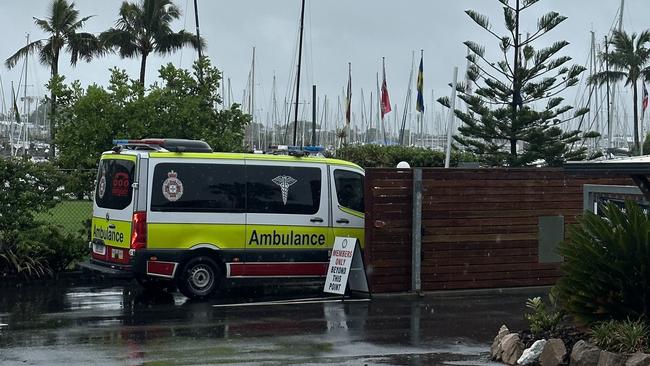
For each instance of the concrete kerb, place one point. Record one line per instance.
(466, 293)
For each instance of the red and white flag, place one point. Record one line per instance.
(385, 99)
(644, 102)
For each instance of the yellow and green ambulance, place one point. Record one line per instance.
(172, 212)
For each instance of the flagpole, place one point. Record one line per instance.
(383, 85)
(348, 106)
(644, 105)
(420, 97)
(450, 125)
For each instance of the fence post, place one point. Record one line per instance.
(416, 246)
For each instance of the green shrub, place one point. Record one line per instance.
(30, 248)
(621, 336)
(606, 268)
(377, 156)
(57, 248)
(24, 265)
(540, 319)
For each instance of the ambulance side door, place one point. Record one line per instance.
(287, 212)
(348, 213)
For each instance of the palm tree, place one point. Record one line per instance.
(628, 61)
(62, 25)
(144, 28)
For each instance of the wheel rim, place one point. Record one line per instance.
(201, 278)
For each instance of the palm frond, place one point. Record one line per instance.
(84, 46)
(174, 41)
(601, 78)
(121, 40)
(21, 53)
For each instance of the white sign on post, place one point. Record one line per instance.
(346, 258)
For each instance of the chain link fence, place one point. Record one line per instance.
(74, 211)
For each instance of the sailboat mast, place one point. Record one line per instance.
(596, 87)
(380, 122)
(198, 34)
(25, 111)
(613, 90)
(609, 115)
(302, 23)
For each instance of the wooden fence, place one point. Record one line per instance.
(480, 228)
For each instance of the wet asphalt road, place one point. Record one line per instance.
(118, 324)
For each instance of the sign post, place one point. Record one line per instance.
(346, 269)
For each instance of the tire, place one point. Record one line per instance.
(199, 278)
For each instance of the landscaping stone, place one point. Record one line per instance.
(531, 354)
(638, 359)
(512, 349)
(553, 353)
(495, 350)
(584, 354)
(611, 359)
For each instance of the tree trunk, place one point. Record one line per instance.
(637, 146)
(55, 73)
(143, 68)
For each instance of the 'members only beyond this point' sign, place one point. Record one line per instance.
(346, 258)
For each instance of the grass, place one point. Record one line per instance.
(69, 215)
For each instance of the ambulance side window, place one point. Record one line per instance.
(179, 187)
(283, 189)
(349, 189)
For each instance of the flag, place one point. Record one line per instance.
(348, 96)
(385, 99)
(15, 104)
(419, 106)
(645, 99)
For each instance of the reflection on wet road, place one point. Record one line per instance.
(94, 325)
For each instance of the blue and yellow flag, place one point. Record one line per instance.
(420, 100)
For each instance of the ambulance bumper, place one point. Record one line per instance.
(105, 270)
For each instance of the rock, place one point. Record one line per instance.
(495, 350)
(584, 354)
(638, 359)
(512, 349)
(531, 354)
(553, 353)
(611, 359)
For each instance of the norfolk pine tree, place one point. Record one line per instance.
(517, 100)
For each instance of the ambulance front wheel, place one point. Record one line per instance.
(199, 278)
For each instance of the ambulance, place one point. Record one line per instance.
(172, 212)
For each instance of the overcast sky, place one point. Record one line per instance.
(336, 32)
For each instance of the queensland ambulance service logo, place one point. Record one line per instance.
(101, 186)
(172, 187)
(284, 181)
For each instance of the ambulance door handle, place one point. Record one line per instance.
(342, 221)
(316, 219)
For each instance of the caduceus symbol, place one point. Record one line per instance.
(284, 181)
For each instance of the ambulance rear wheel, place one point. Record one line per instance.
(200, 278)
